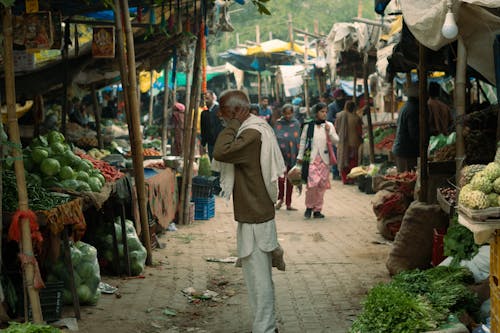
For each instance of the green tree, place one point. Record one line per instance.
(304, 13)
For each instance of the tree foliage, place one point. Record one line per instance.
(304, 14)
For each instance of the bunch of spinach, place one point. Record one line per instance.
(459, 243)
(416, 301)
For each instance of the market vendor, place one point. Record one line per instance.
(406, 143)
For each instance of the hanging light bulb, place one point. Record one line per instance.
(449, 29)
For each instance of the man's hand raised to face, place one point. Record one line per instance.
(241, 115)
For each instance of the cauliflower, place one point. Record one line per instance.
(473, 199)
(481, 183)
(492, 171)
(493, 199)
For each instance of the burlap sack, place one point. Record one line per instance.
(386, 226)
(413, 244)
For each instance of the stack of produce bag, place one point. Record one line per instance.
(137, 252)
(86, 273)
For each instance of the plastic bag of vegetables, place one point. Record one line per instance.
(137, 252)
(86, 273)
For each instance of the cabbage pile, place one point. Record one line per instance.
(104, 243)
(482, 188)
(50, 162)
(86, 274)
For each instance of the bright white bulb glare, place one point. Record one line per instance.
(449, 29)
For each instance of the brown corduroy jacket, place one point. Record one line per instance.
(251, 201)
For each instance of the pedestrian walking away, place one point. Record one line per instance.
(314, 157)
(349, 127)
(287, 131)
(406, 143)
(250, 165)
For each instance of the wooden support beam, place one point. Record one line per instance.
(423, 123)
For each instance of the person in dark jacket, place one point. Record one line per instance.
(406, 143)
(210, 123)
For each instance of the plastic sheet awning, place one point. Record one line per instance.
(270, 53)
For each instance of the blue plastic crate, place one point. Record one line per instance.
(204, 208)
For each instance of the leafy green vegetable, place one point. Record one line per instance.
(459, 243)
(30, 328)
(392, 309)
(416, 301)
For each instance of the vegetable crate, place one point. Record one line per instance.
(203, 186)
(51, 301)
(204, 208)
(438, 246)
(494, 283)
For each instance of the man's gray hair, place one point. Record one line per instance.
(234, 99)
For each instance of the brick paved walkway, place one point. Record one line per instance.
(331, 264)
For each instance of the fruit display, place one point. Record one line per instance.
(109, 172)
(482, 190)
(51, 163)
(98, 153)
(468, 172)
(449, 194)
(443, 154)
(383, 137)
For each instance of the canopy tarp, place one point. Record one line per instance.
(270, 53)
(347, 43)
(478, 22)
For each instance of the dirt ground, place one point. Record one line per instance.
(331, 264)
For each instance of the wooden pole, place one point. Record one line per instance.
(136, 141)
(290, 31)
(423, 123)
(367, 110)
(257, 34)
(97, 116)
(166, 113)
(306, 75)
(259, 87)
(393, 100)
(354, 97)
(460, 79)
(151, 99)
(26, 246)
(122, 58)
(65, 56)
(194, 103)
(188, 126)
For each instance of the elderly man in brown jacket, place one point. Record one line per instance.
(252, 165)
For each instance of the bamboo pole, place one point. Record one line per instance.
(166, 113)
(65, 55)
(151, 98)
(194, 102)
(460, 79)
(97, 116)
(306, 75)
(259, 88)
(122, 59)
(423, 123)
(10, 99)
(184, 201)
(290, 30)
(367, 110)
(136, 141)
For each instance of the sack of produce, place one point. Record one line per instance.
(86, 273)
(137, 252)
(413, 244)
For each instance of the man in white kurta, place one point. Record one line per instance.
(252, 165)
